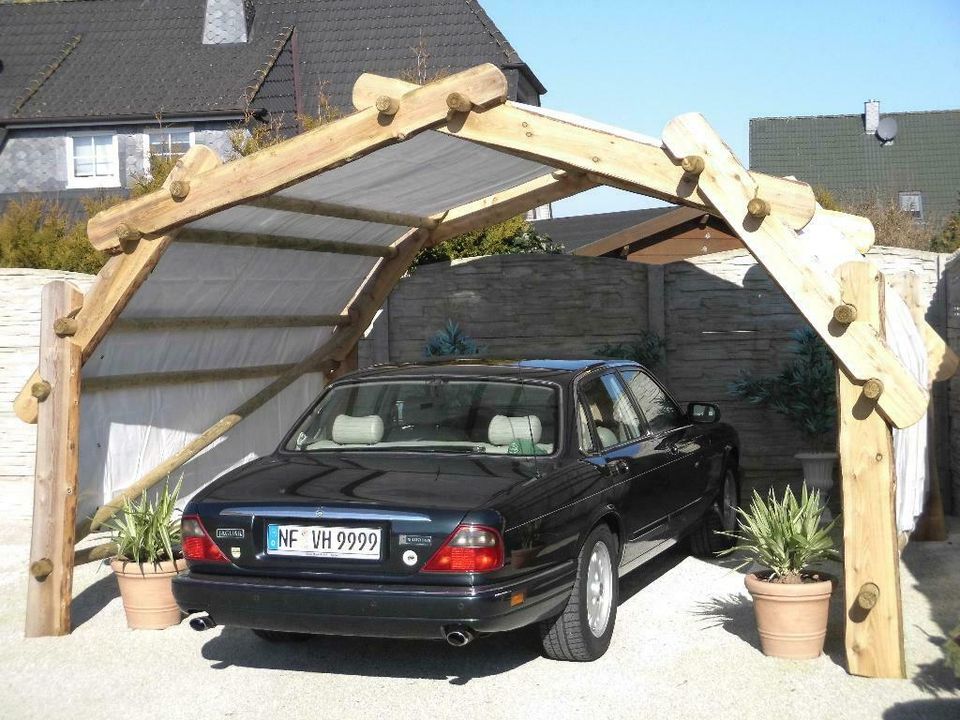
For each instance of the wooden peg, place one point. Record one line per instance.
(128, 237)
(65, 327)
(758, 208)
(868, 596)
(387, 105)
(41, 569)
(40, 390)
(179, 189)
(873, 388)
(458, 102)
(845, 313)
(693, 164)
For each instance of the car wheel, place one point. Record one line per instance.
(279, 636)
(706, 541)
(582, 632)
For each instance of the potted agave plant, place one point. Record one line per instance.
(790, 599)
(148, 557)
(805, 392)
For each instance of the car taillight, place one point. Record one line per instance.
(470, 549)
(198, 546)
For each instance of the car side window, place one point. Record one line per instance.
(661, 412)
(609, 407)
(584, 439)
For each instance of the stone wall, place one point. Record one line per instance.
(19, 349)
(720, 314)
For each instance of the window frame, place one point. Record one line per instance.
(93, 181)
(157, 131)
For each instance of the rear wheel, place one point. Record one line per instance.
(706, 541)
(278, 636)
(582, 632)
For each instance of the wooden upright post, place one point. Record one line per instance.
(50, 580)
(874, 623)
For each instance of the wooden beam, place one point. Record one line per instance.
(182, 377)
(347, 212)
(874, 622)
(858, 231)
(362, 307)
(369, 88)
(117, 282)
(236, 322)
(509, 203)
(296, 159)
(637, 232)
(50, 580)
(813, 290)
(279, 242)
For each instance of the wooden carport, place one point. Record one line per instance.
(266, 270)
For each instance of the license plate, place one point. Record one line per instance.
(352, 543)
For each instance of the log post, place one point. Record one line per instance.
(50, 582)
(874, 620)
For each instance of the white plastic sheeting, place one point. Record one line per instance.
(126, 432)
(825, 245)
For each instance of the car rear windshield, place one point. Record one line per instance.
(434, 415)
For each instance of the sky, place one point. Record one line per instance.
(638, 64)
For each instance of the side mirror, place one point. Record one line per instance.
(699, 412)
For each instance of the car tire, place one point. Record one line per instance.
(279, 636)
(596, 591)
(706, 541)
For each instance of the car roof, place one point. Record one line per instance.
(530, 369)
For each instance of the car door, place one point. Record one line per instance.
(621, 451)
(685, 475)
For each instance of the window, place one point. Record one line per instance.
(169, 142)
(93, 160)
(661, 412)
(613, 414)
(912, 203)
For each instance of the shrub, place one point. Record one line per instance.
(37, 233)
(805, 390)
(450, 341)
(146, 531)
(783, 535)
(649, 350)
(510, 237)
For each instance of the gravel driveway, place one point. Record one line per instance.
(685, 646)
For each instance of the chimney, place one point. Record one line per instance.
(227, 21)
(871, 116)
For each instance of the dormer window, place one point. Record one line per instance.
(93, 160)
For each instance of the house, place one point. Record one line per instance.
(88, 90)
(910, 158)
(654, 236)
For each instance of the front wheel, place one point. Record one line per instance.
(706, 541)
(582, 632)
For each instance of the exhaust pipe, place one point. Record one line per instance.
(458, 635)
(202, 622)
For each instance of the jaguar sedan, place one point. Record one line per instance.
(451, 500)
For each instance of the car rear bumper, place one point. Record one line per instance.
(374, 610)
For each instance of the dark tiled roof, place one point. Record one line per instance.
(110, 58)
(579, 230)
(833, 151)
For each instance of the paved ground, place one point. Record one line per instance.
(685, 647)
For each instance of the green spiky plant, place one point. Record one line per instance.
(783, 534)
(146, 530)
(648, 350)
(450, 341)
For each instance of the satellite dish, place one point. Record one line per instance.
(887, 129)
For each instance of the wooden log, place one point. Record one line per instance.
(278, 242)
(845, 313)
(693, 164)
(236, 322)
(179, 189)
(387, 105)
(95, 553)
(758, 208)
(116, 283)
(40, 390)
(458, 102)
(50, 585)
(377, 286)
(813, 290)
(182, 377)
(347, 212)
(298, 158)
(65, 327)
(368, 88)
(857, 230)
(874, 635)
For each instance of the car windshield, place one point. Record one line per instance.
(434, 415)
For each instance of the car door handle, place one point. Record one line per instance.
(619, 466)
(673, 449)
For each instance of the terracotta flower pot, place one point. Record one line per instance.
(147, 593)
(791, 618)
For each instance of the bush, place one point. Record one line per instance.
(37, 233)
(511, 237)
(450, 341)
(649, 350)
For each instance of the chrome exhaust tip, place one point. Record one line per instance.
(202, 622)
(458, 636)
